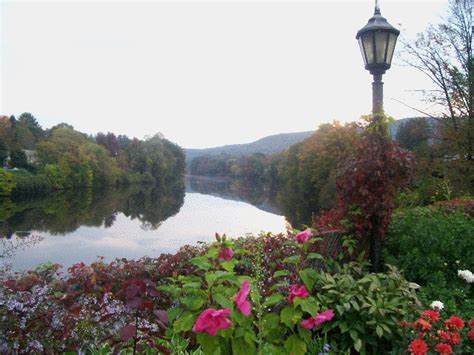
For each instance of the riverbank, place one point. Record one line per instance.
(159, 302)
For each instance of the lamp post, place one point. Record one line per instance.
(377, 42)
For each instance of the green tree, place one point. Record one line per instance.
(7, 183)
(310, 168)
(3, 152)
(18, 159)
(28, 132)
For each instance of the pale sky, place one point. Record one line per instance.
(203, 74)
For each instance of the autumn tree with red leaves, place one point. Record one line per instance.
(366, 188)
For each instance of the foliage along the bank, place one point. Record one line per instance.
(63, 158)
(253, 295)
(303, 177)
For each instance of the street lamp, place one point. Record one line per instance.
(377, 42)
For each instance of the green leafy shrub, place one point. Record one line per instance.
(369, 306)
(430, 245)
(7, 183)
(32, 185)
(366, 307)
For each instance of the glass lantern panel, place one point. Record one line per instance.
(392, 40)
(368, 41)
(361, 45)
(380, 47)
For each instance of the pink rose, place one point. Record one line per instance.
(211, 320)
(241, 298)
(321, 318)
(296, 291)
(303, 237)
(226, 253)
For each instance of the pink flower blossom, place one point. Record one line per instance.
(303, 237)
(211, 320)
(226, 253)
(241, 298)
(321, 318)
(296, 291)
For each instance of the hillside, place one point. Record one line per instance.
(266, 145)
(273, 144)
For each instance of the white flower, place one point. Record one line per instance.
(437, 304)
(466, 275)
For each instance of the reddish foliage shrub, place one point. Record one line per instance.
(366, 189)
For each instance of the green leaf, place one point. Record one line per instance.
(194, 285)
(309, 277)
(281, 273)
(212, 252)
(290, 316)
(210, 278)
(193, 302)
(250, 337)
(270, 349)
(354, 335)
(379, 331)
(386, 328)
(295, 259)
(270, 321)
(315, 256)
(185, 322)
(358, 345)
(340, 309)
(305, 335)
(295, 346)
(239, 346)
(309, 305)
(228, 265)
(209, 343)
(273, 299)
(223, 300)
(173, 313)
(201, 262)
(343, 326)
(355, 305)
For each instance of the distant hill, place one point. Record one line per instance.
(276, 143)
(266, 145)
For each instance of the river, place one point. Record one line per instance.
(71, 227)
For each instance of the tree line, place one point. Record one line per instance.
(62, 158)
(303, 178)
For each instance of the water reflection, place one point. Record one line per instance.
(130, 223)
(238, 190)
(64, 212)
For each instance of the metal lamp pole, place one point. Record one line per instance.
(377, 42)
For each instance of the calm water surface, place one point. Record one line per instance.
(73, 227)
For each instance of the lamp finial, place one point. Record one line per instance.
(377, 8)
